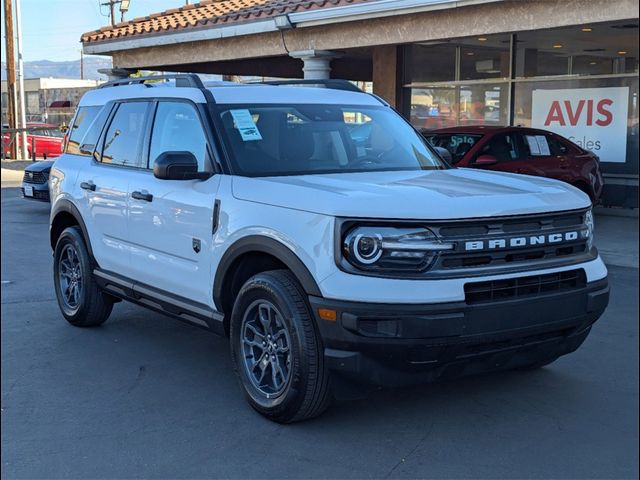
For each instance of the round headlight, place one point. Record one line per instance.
(367, 248)
(382, 248)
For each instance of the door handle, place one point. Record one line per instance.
(88, 186)
(147, 197)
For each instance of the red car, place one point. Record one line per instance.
(48, 140)
(521, 150)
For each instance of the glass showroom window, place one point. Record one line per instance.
(460, 83)
(581, 82)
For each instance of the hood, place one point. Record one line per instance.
(39, 166)
(429, 195)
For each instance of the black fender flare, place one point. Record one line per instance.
(263, 244)
(66, 206)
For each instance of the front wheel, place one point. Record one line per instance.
(276, 349)
(81, 301)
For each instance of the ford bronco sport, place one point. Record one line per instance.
(318, 231)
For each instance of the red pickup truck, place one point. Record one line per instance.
(46, 137)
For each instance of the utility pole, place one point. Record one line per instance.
(23, 115)
(124, 7)
(11, 71)
(81, 64)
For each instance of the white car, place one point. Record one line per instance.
(320, 232)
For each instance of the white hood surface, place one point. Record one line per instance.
(425, 195)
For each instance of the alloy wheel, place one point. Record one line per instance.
(70, 277)
(266, 348)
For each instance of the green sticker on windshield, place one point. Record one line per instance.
(245, 125)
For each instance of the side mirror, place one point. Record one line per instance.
(444, 154)
(178, 166)
(486, 160)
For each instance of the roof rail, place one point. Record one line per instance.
(333, 83)
(182, 80)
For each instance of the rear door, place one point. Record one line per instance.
(171, 221)
(105, 182)
(546, 156)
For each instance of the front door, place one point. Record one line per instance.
(171, 221)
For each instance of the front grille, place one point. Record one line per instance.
(508, 257)
(34, 177)
(524, 287)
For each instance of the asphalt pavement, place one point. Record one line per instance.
(145, 396)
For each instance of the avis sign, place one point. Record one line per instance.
(594, 118)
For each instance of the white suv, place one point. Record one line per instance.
(320, 232)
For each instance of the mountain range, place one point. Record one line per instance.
(65, 69)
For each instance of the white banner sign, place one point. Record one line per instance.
(594, 118)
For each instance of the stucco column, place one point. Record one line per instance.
(317, 63)
(385, 73)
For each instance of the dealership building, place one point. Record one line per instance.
(570, 66)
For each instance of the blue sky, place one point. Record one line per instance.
(51, 29)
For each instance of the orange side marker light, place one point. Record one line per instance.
(328, 314)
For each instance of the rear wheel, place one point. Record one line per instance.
(276, 349)
(81, 301)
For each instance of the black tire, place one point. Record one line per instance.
(304, 392)
(89, 306)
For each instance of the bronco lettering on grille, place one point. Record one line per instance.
(514, 242)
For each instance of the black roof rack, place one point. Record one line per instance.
(333, 83)
(182, 80)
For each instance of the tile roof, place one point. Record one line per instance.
(208, 13)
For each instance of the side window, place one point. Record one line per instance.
(90, 140)
(81, 123)
(542, 145)
(503, 147)
(56, 133)
(177, 127)
(556, 146)
(123, 140)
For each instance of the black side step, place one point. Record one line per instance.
(194, 313)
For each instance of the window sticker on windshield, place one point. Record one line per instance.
(245, 125)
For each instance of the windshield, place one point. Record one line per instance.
(458, 144)
(271, 140)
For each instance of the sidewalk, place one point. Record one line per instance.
(12, 171)
(617, 238)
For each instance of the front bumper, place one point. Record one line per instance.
(40, 191)
(397, 344)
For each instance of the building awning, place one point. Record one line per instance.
(60, 104)
(208, 14)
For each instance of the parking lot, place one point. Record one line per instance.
(147, 396)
